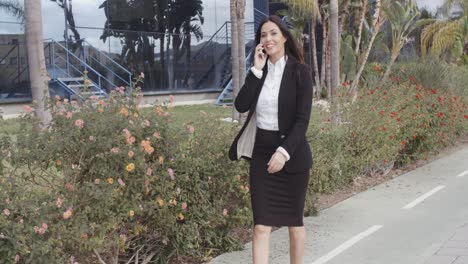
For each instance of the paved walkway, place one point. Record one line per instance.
(420, 217)
(454, 250)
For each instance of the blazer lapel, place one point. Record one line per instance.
(286, 80)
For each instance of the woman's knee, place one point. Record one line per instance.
(297, 231)
(262, 230)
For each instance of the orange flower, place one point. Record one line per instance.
(67, 214)
(124, 111)
(110, 180)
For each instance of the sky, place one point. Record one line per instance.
(431, 5)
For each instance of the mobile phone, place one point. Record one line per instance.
(263, 50)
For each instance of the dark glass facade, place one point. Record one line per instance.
(179, 45)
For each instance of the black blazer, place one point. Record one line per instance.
(294, 107)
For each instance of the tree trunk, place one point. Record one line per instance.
(393, 58)
(379, 19)
(241, 36)
(324, 56)
(361, 24)
(36, 60)
(235, 56)
(334, 48)
(344, 15)
(313, 44)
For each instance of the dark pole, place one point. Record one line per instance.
(65, 35)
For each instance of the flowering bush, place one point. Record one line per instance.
(109, 181)
(384, 127)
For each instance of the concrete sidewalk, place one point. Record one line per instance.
(454, 250)
(420, 217)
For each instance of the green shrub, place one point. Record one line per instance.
(107, 182)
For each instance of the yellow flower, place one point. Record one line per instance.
(135, 115)
(100, 110)
(180, 216)
(130, 167)
(174, 202)
(110, 180)
(131, 213)
(160, 202)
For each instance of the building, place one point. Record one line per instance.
(182, 46)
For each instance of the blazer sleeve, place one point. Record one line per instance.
(246, 96)
(303, 109)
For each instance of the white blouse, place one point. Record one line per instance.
(267, 105)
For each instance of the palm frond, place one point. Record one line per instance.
(446, 37)
(13, 7)
(306, 8)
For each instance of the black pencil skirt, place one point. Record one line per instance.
(277, 199)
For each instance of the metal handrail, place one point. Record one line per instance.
(261, 13)
(88, 67)
(10, 51)
(129, 81)
(115, 74)
(209, 41)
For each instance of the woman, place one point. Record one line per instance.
(278, 95)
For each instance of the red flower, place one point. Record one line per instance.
(465, 116)
(398, 119)
(418, 96)
(440, 115)
(391, 137)
(433, 91)
(439, 99)
(392, 114)
(403, 143)
(382, 112)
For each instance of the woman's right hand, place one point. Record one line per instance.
(260, 57)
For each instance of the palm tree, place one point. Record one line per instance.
(309, 10)
(446, 37)
(182, 16)
(377, 22)
(234, 6)
(241, 40)
(36, 60)
(334, 47)
(67, 7)
(404, 19)
(13, 8)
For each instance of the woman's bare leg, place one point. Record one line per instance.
(261, 244)
(296, 244)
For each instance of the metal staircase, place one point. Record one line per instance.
(82, 73)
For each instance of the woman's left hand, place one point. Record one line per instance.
(276, 162)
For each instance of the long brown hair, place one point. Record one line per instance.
(291, 48)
